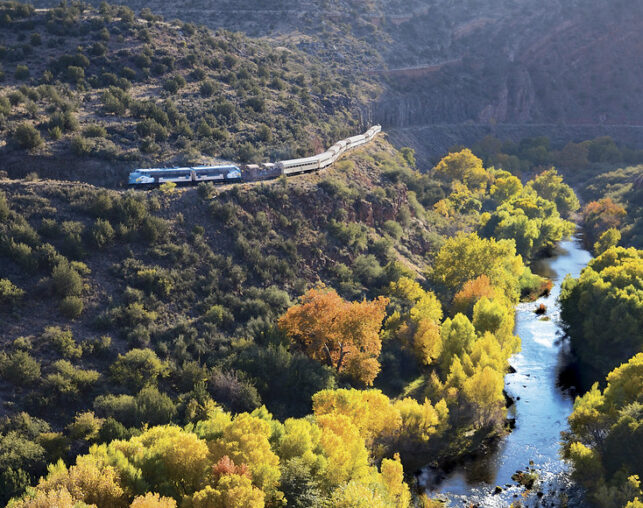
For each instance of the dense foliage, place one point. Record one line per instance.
(605, 441)
(247, 460)
(603, 308)
(158, 308)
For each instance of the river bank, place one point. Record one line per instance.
(543, 398)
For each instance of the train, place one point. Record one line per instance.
(230, 173)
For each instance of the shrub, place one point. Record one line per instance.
(393, 229)
(20, 368)
(80, 146)
(208, 88)
(102, 233)
(67, 121)
(94, 131)
(66, 281)
(154, 229)
(66, 380)
(174, 84)
(235, 393)
(85, 426)
(75, 74)
(27, 136)
(71, 307)
(154, 407)
(9, 293)
(22, 72)
(119, 407)
(63, 341)
(4, 207)
(138, 368)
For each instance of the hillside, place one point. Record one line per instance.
(452, 72)
(88, 93)
(197, 272)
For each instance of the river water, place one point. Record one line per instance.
(542, 404)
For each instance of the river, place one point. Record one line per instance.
(543, 401)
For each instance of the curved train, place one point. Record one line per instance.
(229, 173)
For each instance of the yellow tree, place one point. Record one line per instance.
(465, 167)
(342, 334)
(467, 256)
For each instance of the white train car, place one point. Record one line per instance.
(296, 166)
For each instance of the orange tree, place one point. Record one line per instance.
(343, 334)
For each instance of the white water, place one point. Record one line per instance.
(541, 408)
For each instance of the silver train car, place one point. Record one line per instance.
(325, 159)
(157, 176)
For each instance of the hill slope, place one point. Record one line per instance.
(88, 92)
(475, 64)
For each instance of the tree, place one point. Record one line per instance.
(605, 441)
(153, 500)
(345, 335)
(607, 240)
(549, 185)
(464, 167)
(471, 292)
(465, 257)
(599, 216)
(603, 308)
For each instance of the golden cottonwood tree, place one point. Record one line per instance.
(342, 334)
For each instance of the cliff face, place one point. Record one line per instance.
(573, 64)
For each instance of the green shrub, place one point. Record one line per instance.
(75, 74)
(174, 83)
(20, 368)
(138, 368)
(102, 233)
(27, 136)
(63, 341)
(66, 281)
(85, 426)
(94, 131)
(119, 407)
(22, 72)
(67, 121)
(208, 88)
(56, 133)
(81, 146)
(71, 307)
(35, 39)
(66, 380)
(4, 207)
(9, 293)
(154, 407)
(393, 229)
(22, 254)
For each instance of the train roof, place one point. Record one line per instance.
(303, 160)
(151, 170)
(219, 166)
